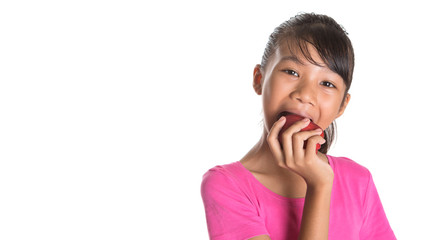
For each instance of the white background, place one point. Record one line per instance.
(111, 111)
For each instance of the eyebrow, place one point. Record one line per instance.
(296, 60)
(293, 59)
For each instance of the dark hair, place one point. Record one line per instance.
(330, 41)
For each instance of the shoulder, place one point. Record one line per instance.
(346, 165)
(355, 188)
(349, 170)
(230, 205)
(227, 186)
(227, 176)
(226, 172)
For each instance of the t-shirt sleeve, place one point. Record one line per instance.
(230, 212)
(375, 224)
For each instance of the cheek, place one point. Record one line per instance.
(268, 104)
(329, 111)
(272, 96)
(269, 94)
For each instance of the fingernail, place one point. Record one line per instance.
(305, 119)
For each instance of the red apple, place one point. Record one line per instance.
(291, 119)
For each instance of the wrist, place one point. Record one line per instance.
(323, 186)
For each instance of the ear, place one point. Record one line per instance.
(344, 105)
(257, 79)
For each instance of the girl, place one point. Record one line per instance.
(282, 189)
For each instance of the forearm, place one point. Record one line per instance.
(316, 213)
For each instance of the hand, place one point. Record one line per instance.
(292, 155)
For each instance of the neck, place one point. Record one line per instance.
(260, 157)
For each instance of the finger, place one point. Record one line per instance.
(272, 140)
(296, 127)
(299, 140)
(310, 149)
(287, 136)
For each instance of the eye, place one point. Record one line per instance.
(291, 72)
(328, 84)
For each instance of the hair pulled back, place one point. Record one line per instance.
(328, 38)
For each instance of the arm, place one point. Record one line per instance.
(306, 163)
(315, 217)
(375, 224)
(260, 237)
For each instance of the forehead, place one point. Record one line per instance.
(302, 53)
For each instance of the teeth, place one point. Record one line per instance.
(286, 113)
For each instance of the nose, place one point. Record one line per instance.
(304, 93)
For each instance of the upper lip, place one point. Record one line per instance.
(288, 112)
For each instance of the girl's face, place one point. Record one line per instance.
(290, 83)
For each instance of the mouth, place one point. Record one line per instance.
(286, 113)
(291, 119)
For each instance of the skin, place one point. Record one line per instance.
(316, 92)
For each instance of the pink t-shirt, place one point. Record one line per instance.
(238, 206)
